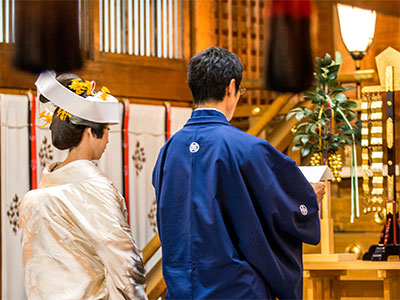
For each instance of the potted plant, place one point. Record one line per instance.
(330, 124)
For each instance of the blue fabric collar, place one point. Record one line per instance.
(203, 116)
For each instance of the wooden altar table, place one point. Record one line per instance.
(351, 280)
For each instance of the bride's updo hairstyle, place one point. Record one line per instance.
(67, 130)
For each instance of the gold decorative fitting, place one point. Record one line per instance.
(316, 159)
(389, 133)
(377, 156)
(390, 187)
(390, 163)
(364, 143)
(389, 103)
(389, 208)
(255, 111)
(335, 164)
(355, 248)
(380, 216)
(364, 117)
(389, 78)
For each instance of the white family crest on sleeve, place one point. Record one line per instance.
(303, 209)
(194, 147)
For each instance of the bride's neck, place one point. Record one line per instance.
(76, 153)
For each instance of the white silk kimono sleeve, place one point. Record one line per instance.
(123, 266)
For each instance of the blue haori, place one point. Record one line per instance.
(232, 214)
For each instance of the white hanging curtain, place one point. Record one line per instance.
(111, 160)
(14, 184)
(179, 117)
(146, 137)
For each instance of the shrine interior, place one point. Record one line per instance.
(140, 49)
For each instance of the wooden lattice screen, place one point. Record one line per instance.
(240, 29)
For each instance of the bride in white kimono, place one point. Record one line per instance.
(76, 241)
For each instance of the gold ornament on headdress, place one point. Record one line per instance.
(104, 93)
(80, 86)
(63, 114)
(47, 117)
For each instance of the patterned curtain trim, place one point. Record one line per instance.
(32, 141)
(125, 155)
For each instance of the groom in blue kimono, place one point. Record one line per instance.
(232, 211)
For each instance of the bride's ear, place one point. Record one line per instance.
(89, 131)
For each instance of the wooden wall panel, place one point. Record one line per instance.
(133, 77)
(146, 78)
(322, 30)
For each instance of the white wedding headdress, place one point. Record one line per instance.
(99, 107)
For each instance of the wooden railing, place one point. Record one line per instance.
(156, 286)
(269, 114)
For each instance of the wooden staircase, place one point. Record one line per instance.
(269, 121)
(156, 286)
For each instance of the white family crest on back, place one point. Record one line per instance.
(194, 147)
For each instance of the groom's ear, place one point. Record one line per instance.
(231, 88)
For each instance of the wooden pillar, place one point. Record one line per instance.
(203, 25)
(327, 244)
